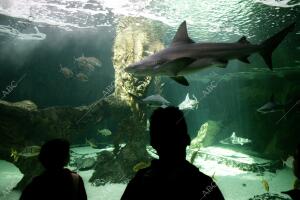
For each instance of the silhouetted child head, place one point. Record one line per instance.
(297, 162)
(168, 131)
(54, 154)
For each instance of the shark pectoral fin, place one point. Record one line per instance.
(244, 59)
(175, 66)
(181, 80)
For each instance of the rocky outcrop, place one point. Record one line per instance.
(207, 135)
(269, 196)
(135, 37)
(23, 124)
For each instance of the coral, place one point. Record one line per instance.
(135, 36)
(206, 135)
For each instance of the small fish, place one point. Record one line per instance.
(104, 132)
(14, 155)
(88, 63)
(29, 151)
(94, 61)
(68, 73)
(266, 185)
(189, 104)
(148, 125)
(88, 67)
(82, 77)
(83, 63)
(233, 140)
(99, 120)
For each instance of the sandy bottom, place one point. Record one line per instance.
(234, 183)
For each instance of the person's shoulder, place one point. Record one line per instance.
(73, 173)
(35, 183)
(37, 180)
(144, 172)
(196, 173)
(191, 168)
(75, 176)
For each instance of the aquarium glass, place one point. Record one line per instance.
(235, 74)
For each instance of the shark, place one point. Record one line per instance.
(184, 56)
(234, 140)
(288, 109)
(156, 101)
(189, 104)
(271, 107)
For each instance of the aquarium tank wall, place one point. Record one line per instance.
(93, 71)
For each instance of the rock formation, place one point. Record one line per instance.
(23, 124)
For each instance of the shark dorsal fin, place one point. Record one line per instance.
(187, 97)
(243, 40)
(233, 135)
(181, 36)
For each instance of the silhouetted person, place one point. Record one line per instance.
(171, 176)
(295, 193)
(56, 182)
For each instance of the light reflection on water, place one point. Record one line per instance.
(206, 20)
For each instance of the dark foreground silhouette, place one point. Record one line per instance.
(295, 193)
(56, 182)
(171, 176)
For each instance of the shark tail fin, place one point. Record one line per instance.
(269, 45)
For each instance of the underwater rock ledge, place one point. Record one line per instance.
(22, 124)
